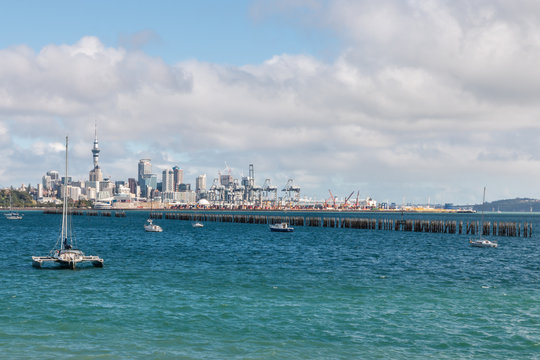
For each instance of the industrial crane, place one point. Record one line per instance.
(333, 198)
(347, 199)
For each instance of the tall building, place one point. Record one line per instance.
(46, 182)
(95, 174)
(54, 175)
(145, 168)
(226, 180)
(167, 181)
(200, 183)
(132, 185)
(178, 177)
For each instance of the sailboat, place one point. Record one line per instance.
(12, 215)
(65, 252)
(481, 242)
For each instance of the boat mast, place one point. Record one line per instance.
(481, 231)
(64, 207)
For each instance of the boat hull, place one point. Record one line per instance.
(152, 228)
(44, 261)
(283, 227)
(483, 244)
(282, 230)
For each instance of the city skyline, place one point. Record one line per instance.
(401, 101)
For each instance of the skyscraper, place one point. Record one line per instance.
(200, 183)
(167, 181)
(178, 177)
(145, 168)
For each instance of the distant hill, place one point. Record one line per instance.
(510, 205)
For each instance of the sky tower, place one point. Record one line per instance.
(95, 174)
(95, 149)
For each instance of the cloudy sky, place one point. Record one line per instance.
(401, 100)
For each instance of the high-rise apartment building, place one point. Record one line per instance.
(167, 181)
(200, 183)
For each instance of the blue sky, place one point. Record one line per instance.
(223, 32)
(402, 101)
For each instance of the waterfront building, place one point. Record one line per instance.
(179, 197)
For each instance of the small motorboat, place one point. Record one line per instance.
(483, 243)
(150, 227)
(282, 227)
(197, 225)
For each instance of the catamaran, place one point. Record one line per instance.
(481, 242)
(65, 252)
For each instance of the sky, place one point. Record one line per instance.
(406, 101)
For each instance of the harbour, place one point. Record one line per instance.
(235, 290)
(443, 224)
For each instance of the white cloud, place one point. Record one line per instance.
(428, 98)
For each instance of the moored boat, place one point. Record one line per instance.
(281, 227)
(65, 252)
(12, 215)
(481, 242)
(151, 227)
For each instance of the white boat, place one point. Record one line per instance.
(197, 225)
(150, 227)
(481, 242)
(65, 252)
(282, 227)
(12, 215)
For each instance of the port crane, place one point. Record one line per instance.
(291, 188)
(269, 188)
(347, 199)
(333, 198)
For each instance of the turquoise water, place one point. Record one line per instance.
(238, 291)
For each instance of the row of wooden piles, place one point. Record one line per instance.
(106, 213)
(411, 225)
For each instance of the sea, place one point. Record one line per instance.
(239, 291)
